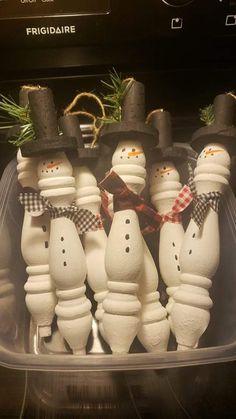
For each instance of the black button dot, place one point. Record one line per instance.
(127, 249)
(44, 163)
(127, 237)
(162, 176)
(44, 228)
(64, 263)
(173, 244)
(62, 239)
(128, 157)
(46, 244)
(136, 157)
(190, 252)
(121, 157)
(51, 171)
(176, 257)
(57, 168)
(123, 149)
(212, 154)
(127, 221)
(46, 171)
(178, 267)
(63, 251)
(133, 149)
(168, 173)
(193, 235)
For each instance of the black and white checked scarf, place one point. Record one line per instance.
(84, 219)
(202, 202)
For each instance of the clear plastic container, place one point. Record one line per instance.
(21, 347)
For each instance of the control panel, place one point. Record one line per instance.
(112, 28)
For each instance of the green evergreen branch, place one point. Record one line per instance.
(207, 114)
(16, 115)
(112, 100)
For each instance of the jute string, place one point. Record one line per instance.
(95, 119)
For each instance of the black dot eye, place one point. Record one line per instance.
(164, 167)
(212, 154)
(121, 157)
(44, 228)
(44, 163)
(62, 239)
(123, 149)
(46, 171)
(127, 221)
(51, 162)
(210, 149)
(168, 174)
(57, 168)
(158, 170)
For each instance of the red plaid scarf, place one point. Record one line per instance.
(150, 220)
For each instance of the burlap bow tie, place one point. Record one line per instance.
(202, 202)
(36, 205)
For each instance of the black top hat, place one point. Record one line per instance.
(69, 124)
(165, 149)
(222, 130)
(132, 124)
(44, 120)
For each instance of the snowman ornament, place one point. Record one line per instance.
(88, 197)
(200, 252)
(40, 290)
(127, 259)
(57, 192)
(165, 187)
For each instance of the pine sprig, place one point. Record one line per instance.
(16, 115)
(112, 101)
(207, 114)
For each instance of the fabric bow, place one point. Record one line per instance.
(182, 201)
(84, 219)
(124, 198)
(202, 201)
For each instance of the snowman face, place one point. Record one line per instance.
(163, 172)
(129, 152)
(54, 165)
(214, 153)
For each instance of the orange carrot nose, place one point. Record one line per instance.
(213, 151)
(134, 153)
(51, 165)
(169, 169)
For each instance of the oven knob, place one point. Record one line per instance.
(177, 3)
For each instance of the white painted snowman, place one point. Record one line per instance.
(164, 189)
(40, 291)
(57, 192)
(200, 252)
(135, 264)
(88, 197)
(66, 255)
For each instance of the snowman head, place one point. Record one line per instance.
(214, 154)
(164, 171)
(54, 165)
(129, 152)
